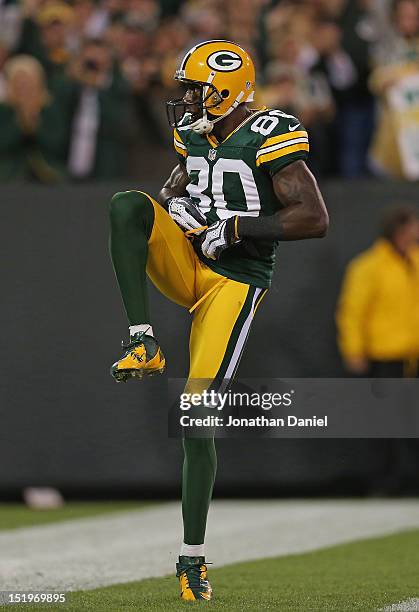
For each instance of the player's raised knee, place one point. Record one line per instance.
(128, 205)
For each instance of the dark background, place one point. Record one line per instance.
(63, 420)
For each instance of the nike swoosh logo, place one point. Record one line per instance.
(293, 127)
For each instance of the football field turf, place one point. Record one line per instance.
(13, 516)
(358, 572)
(365, 575)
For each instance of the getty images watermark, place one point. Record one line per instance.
(295, 408)
(235, 399)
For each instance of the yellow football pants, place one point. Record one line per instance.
(222, 308)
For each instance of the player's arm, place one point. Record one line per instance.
(303, 213)
(175, 186)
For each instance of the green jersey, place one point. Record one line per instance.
(234, 177)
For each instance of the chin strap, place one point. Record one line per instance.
(202, 125)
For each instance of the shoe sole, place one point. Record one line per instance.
(125, 375)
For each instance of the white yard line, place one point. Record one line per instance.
(410, 605)
(93, 552)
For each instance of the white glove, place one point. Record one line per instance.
(187, 215)
(218, 237)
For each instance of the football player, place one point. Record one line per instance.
(208, 243)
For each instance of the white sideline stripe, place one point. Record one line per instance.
(99, 551)
(410, 605)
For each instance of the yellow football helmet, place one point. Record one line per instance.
(223, 73)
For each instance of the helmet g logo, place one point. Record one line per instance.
(224, 61)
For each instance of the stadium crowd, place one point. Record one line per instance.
(83, 83)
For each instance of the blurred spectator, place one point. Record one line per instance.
(307, 96)
(46, 36)
(145, 13)
(378, 311)
(10, 23)
(328, 44)
(395, 150)
(205, 20)
(141, 68)
(240, 19)
(34, 128)
(313, 59)
(171, 41)
(342, 39)
(4, 54)
(90, 21)
(103, 117)
(294, 87)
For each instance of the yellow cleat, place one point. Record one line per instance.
(192, 574)
(142, 357)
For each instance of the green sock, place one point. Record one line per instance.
(199, 468)
(132, 218)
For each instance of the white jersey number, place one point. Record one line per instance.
(217, 177)
(266, 123)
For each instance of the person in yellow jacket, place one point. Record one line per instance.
(378, 310)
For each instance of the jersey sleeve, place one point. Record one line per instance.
(280, 149)
(180, 148)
